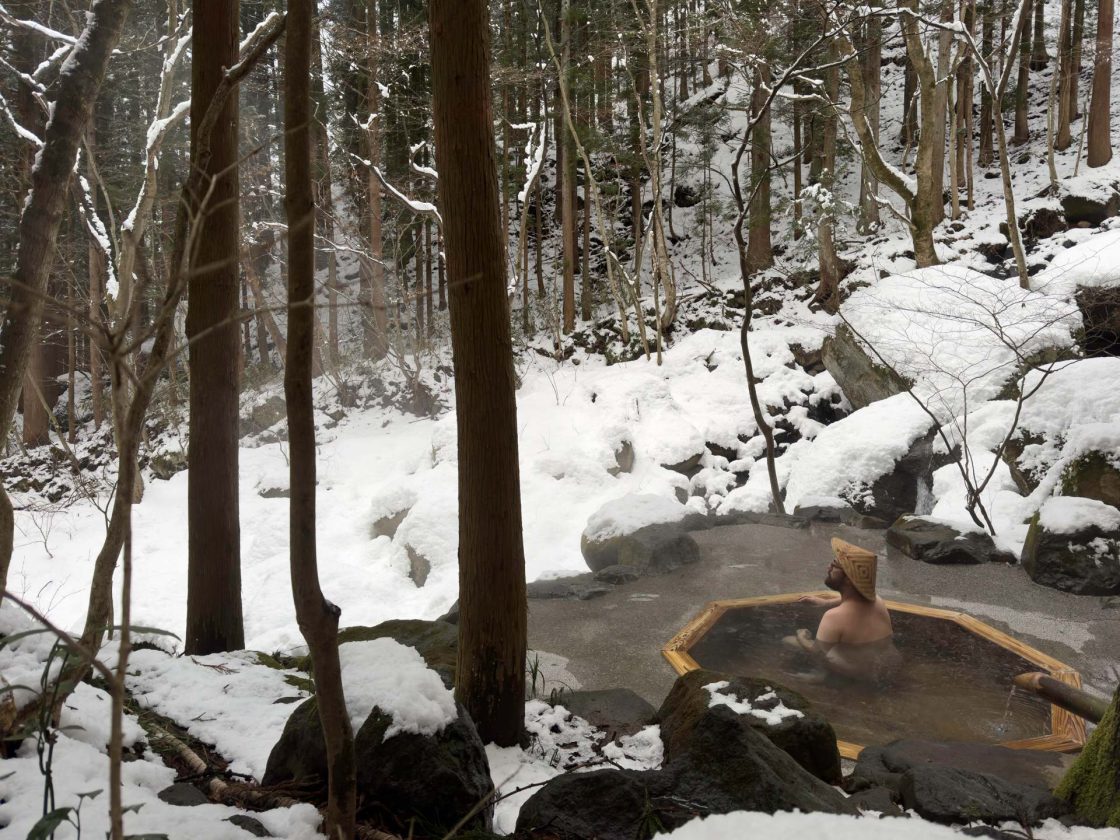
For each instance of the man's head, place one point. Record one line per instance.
(853, 568)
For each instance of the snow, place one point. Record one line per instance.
(20, 130)
(1071, 514)
(957, 335)
(1094, 263)
(782, 826)
(247, 722)
(771, 716)
(393, 677)
(560, 741)
(629, 513)
(848, 456)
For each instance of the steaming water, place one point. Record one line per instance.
(952, 686)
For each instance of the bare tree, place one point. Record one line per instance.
(80, 79)
(490, 680)
(317, 617)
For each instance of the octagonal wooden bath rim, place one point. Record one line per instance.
(1067, 731)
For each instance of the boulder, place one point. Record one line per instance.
(614, 530)
(263, 416)
(616, 711)
(688, 467)
(1094, 475)
(961, 782)
(862, 379)
(1080, 208)
(950, 795)
(574, 588)
(939, 544)
(1100, 313)
(1082, 560)
(809, 739)
(726, 767)
(436, 641)
(386, 526)
(623, 459)
(167, 463)
(654, 548)
(1042, 223)
(904, 488)
(618, 574)
(184, 795)
(1025, 480)
(419, 566)
(826, 509)
(436, 780)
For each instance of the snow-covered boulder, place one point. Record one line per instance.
(1068, 435)
(879, 459)
(783, 716)
(1073, 544)
(644, 531)
(1090, 209)
(417, 752)
(1089, 273)
(941, 544)
(725, 764)
(957, 335)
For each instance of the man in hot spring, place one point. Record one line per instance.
(855, 637)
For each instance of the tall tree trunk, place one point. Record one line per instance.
(214, 614)
(1039, 57)
(987, 38)
(1064, 138)
(568, 178)
(909, 132)
(98, 271)
(1022, 131)
(1100, 141)
(1075, 64)
(377, 323)
(873, 74)
(317, 617)
(828, 292)
(492, 606)
(82, 76)
(760, 254)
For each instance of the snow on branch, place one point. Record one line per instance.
(272, 19)
(21, 131)
(421, 208)
(34, 26)
(424, 171)
(96, 227)
(534, 158)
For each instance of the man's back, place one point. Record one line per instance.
(856, 622)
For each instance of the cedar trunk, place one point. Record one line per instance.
(492, 623)
(214, 618)
(1100, 144)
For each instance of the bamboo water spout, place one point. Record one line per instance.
(1069, 698)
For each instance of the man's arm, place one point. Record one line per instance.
(828, 635)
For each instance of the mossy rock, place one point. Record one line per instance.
(1093, 476)
(1025, 481)
(1092, 785)
(1085, 563)
(809, 739)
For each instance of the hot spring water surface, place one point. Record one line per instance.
(952, 685)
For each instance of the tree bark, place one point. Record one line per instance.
(317, 617)
(79, 82)
(568, 182)
(377, 320)
(1100, 141)
(214, 614)
(1064, 138)
(873, 73)
(1022, 131)
(760, 253)
(987, 26)
(492, 623)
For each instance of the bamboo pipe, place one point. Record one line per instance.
(1069, 698)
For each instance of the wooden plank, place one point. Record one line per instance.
(682, 663)
(1031, 654)
(696, 628)
(849, 750)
